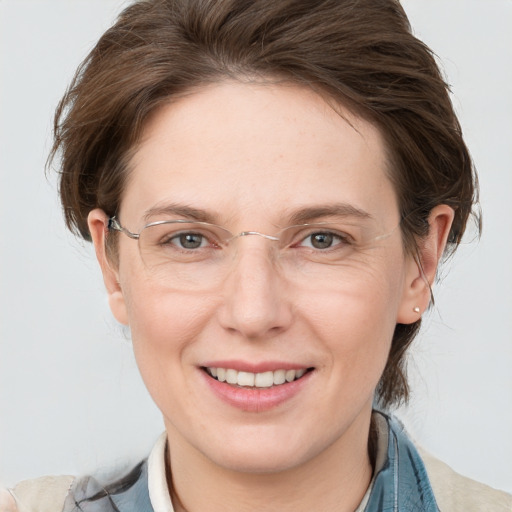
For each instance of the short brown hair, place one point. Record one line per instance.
(361, 53)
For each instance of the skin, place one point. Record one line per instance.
(7, 503)
(249, 154)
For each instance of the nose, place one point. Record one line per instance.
(256, 302)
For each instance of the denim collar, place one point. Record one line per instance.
(401, 484)
(127, 494)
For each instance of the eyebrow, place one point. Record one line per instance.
(301, 215)
(311, 213)
(179, 210)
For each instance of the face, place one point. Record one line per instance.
(252, 158)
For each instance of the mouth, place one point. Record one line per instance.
(268, 379)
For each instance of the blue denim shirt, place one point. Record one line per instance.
(400, 485)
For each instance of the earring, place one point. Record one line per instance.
(416, 309)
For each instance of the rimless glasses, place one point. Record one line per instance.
(193, 255)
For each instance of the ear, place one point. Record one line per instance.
(420, 275)
(98, 227)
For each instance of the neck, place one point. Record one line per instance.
(334, 480)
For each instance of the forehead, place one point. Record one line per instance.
(242, 149)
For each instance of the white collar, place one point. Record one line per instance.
(157, 480)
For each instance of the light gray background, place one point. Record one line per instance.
(70, 396)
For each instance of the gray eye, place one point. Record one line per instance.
(191, 240)
(322, 240)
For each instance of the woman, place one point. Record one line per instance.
(269, 189)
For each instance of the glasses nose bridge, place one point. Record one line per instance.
(234, 249)
(244, 234)
(256, 233)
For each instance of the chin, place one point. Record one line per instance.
(264, 449)
(258, 460)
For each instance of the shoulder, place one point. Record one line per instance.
(456, 493)
(111, 490)
(45, 494)
(426, 479)
(119, 490)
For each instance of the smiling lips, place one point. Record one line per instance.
(259, 380)
(255, 391)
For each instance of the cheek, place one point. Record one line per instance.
(165, 322)
(357, 322)
(164, 327)
(158, 320)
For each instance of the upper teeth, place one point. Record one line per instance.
(259, 380)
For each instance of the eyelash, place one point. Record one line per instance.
(178, 236)
(338, 240)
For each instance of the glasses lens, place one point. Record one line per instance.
(182, 254)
